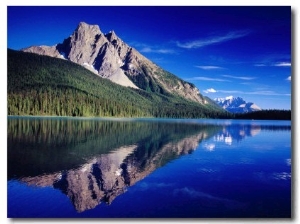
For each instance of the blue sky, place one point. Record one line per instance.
(239, 51)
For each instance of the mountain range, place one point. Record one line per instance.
(95, 74)
(236, 105)
(109, 57)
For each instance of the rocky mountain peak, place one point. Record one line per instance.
(83, 45)
(82, 26)
(109, 57)
(236, 104)
(111, 36)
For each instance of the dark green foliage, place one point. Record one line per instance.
(41, 85)
(145, 81)
(266, 115)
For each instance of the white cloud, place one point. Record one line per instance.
(239, 77)
(289, 78)
(211, 90)
(247, 83)
(265, 93)
(157, 50)
(207, 79)
(212, 40)
(277, 64)
(282, 64)
(145, 48)
(230, 91)
(209, 67)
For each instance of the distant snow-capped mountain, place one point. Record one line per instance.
(236, 104)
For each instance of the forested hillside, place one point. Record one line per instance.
(42, 85)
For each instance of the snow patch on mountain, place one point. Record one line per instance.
(229, 98)
(236, 104)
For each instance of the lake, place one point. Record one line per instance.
(148, 168)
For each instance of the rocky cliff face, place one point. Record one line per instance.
(109, 57)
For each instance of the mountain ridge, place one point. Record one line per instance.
(236, 105)
(109, 57)
(43, 85)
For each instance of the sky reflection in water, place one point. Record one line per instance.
(64, 167)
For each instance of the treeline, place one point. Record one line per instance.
(41, 85)
(67, 101)
(266, 115)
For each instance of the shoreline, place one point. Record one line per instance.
(213, 121)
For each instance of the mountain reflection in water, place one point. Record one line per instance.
(94, 161)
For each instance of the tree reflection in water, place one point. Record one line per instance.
(95, 160)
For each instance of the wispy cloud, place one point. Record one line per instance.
(238, 92)
(239, 77)
(278, 60)
(202, 78)
(247, 83)
(230, 91)
(260, 65)
(282, 64)
(145, 48)
(289, 78)
(213, 39)
(264, 93)
(267, 93)
(276, 64)
(211, 90)
(208, 67)
(157, 50)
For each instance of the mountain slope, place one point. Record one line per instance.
(42, 85)
(109, 57)
(236, 105)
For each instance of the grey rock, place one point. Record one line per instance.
(109, 57)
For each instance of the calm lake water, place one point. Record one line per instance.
(150, 168)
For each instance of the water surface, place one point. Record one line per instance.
(150, 168)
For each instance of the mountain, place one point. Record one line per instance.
(236, 105)
(43, 85)
(109, 57)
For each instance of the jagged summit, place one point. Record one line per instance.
(109, 57)
(85, 26)
(111, 35)
(236, 104)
